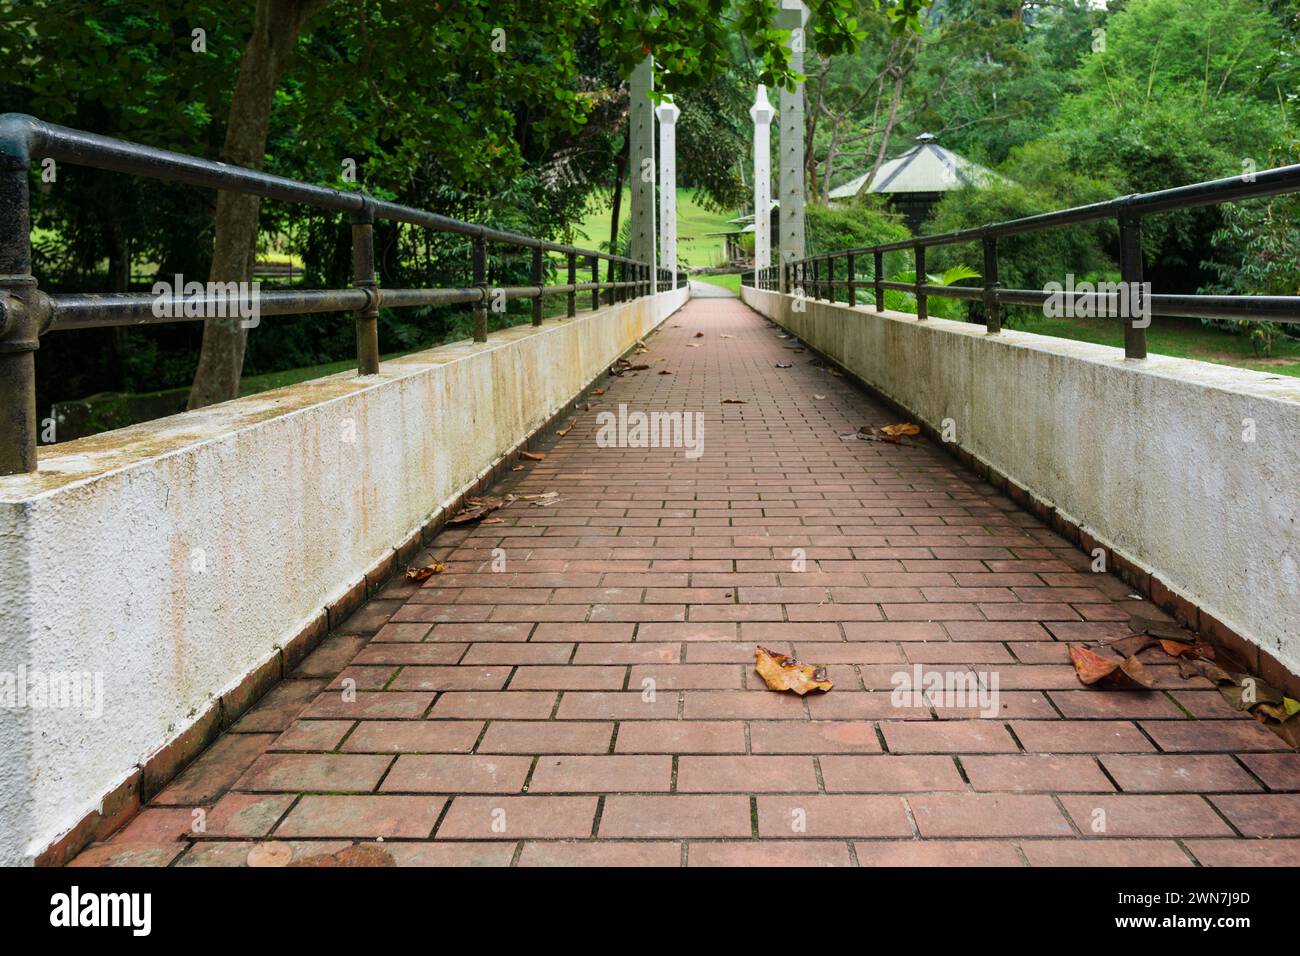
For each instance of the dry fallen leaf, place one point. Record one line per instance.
(898, 431)
(1169, 632)
(1131, 645)
(368, 856)
(665, 372)
(784, 365)
(423, 574)
(734, 401)
(541, 500)
(598, 391)
(476, 509)
(1179, 649)
(517, 468)
(699, 335)
(532, 455)
(782, 672)
(270, 854)
(819, 397)
(693, 346)
(1092, 668)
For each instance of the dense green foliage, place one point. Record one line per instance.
(501, 111)
(1150, 95)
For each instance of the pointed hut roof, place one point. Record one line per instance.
(925, 168)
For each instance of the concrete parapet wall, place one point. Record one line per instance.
(1188, 470)
(172, 560)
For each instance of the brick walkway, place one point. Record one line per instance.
(595, 702)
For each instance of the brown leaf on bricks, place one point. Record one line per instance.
(1132, 668)
(1247, 693)
(1289, 730)
(270, 854)
(699, 335)
(1195, 667)
(1131, 645)
(598, 391)
(665, 372)
(784, 365)
(368, 856)
(782, 672)
(898, 431)
(1169, 632)
(1092, 668)
(1089, 665)
(1178, 649)
(423, 574)
(532, 455)
(476, 509)
(734, 401)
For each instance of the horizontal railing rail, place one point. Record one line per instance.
(27, 313)
(815, 276)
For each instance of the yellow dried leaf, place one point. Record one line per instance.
(898, 431)
(782, 672)
(423, 574)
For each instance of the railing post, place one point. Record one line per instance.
(853, 274)
(1130, 267)
(922, 312)
(595, 281)
(20, 320)
(363, 277)
(537, 281)
(878, 278)
(830, 278)
(816, 282)
(572, 302)
(992, 307)
(478, 259)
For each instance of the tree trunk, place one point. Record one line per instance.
(276, 26)
(620, 167)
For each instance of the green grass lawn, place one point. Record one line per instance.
(731, 282)
(694, 246)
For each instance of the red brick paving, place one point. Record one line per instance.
(594, 702)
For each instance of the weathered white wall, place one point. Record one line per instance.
(98, 549)
(1146, 455)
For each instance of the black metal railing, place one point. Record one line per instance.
(768, 278)
(27, 313)
(666, 282)
(815, 277)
